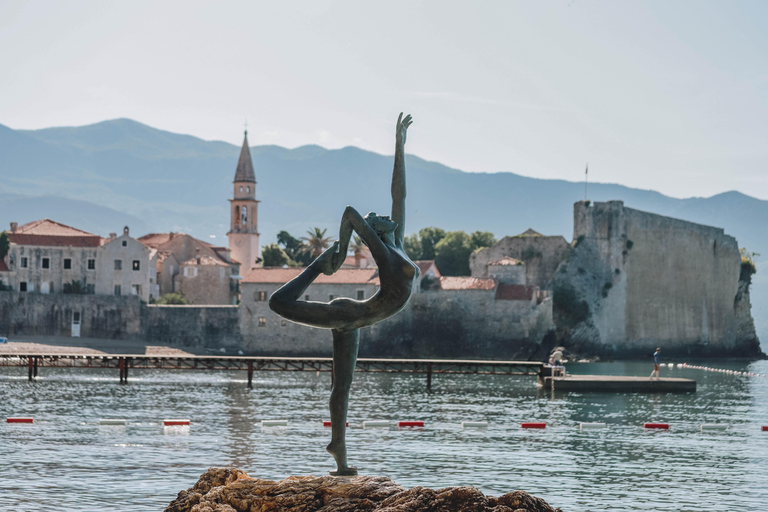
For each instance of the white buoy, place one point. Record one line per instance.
(713, 426)
(111, 421)
(376, 423)
(679, 365)
(274, 423)
(474, 424)
(671, 365)
(583, 425)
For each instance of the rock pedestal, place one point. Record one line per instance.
(232, 490)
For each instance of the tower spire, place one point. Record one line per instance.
(244, 172)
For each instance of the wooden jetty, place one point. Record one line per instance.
(617, 384)
(124, 362)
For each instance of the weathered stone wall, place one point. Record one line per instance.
(102, 316)
(211, 327)
(204, 284)
(541, 254)
(647, 281)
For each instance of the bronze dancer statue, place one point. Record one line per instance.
(345, 316)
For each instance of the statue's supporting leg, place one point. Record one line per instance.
(345, 344)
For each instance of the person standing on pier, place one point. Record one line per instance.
(656, 362)
(344, 316)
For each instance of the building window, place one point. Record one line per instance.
(284, 322)
(241, 189)
(125, 243)
(118, 289)
(136, 265)
(91, 264)
(118, 264)
(330, 297)
(46, 263)
(261, 296)
(50, 287)
(244, 214)
(90, 289)
(248, 189)
(67, 263)
(23, 286)
(360, 294)
(262, 321)
(190, 271)
(136, 289)
(23, 263)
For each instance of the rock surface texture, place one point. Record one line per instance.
(232, 490)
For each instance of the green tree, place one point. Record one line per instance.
(5, 245)
(482, 239)
(430, 237)
(452, 254)
(176, 299)
(273, 256)
(412, 246)
(316, 242)
(294, 248)
(74, 287)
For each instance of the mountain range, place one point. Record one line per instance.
(104, 176)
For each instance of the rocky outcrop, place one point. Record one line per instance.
(232, 490)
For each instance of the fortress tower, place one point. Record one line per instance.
(243, 234)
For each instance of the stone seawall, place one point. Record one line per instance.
(211, 327)
(635, 281)
(101, 316)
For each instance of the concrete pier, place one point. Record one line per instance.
(617, 384)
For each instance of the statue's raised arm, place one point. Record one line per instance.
(398, 178)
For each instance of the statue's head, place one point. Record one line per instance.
(381, 224)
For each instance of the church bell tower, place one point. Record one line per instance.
(243, 234)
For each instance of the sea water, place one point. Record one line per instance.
(67, 461)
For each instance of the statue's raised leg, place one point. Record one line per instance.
(345, 344)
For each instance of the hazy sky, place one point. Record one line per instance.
(670, 96)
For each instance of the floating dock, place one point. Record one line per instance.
(617, 384)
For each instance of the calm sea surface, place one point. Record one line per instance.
(66, 461)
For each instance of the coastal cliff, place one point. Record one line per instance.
(232, 490)
(635, 281)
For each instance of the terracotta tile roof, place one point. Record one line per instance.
(206, 261)
(506, 261)
(50, 233)
(155, 240)
(277, 275)
(425, 265)
(184, 247)
(3, 267)
(467, 283)
(515, 292)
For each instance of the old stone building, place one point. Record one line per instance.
(126, 267)
(540, 254)
(243, 231)
(204, 273)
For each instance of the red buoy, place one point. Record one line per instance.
(765, 428)
(410, 423)
(533, 425)
(664, 426)
(20, 420)
(175, 423)
(328, 423)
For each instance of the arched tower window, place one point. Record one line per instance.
(241, 189)
(244, 214)
(248, 189)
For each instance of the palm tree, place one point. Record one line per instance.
(316, 242)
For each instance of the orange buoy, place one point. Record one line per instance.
(533, 425)
(664, 426)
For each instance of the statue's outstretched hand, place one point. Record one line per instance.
(330, 260)
(402, 127)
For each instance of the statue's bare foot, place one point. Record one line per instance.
(345, 471)
(339, 452)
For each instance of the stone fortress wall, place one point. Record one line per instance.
(645, 280)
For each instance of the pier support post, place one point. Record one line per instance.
(121, 366)
(250, 374)
(429, 376)
(125, 370)
(35, 367)
(29, 368)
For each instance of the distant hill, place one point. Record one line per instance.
(103, 176)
